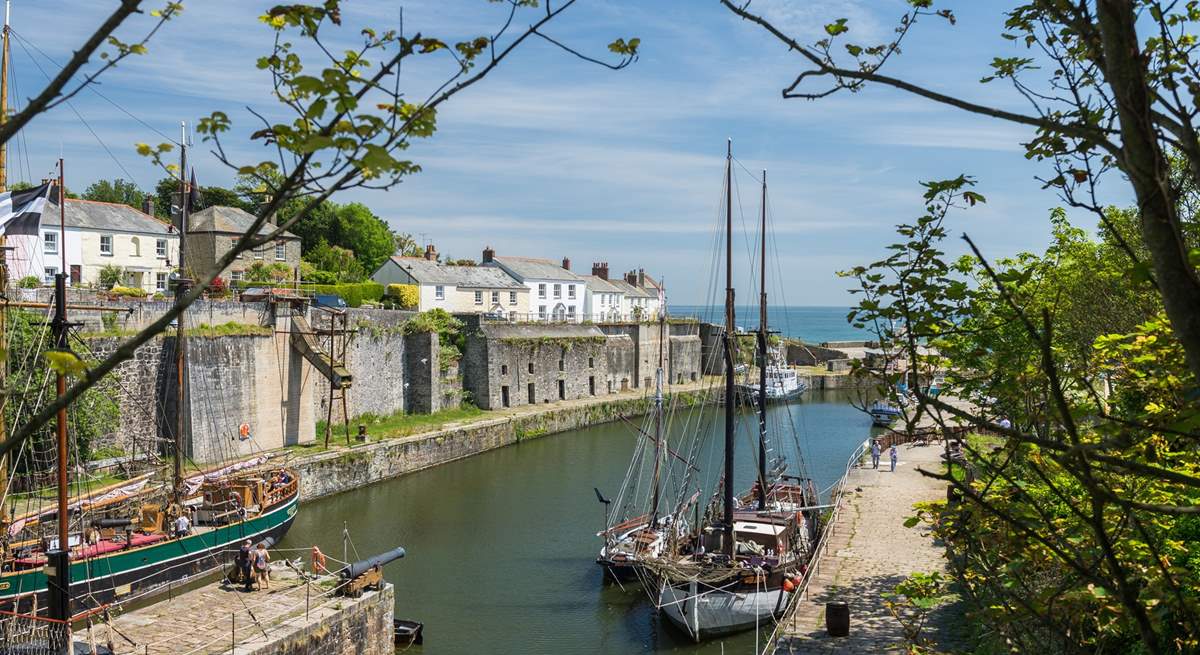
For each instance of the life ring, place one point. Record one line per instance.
(243, 431)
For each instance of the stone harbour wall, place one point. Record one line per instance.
(353, 626)
(328, 473)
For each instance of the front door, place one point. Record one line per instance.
(76, 275)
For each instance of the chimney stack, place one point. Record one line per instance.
(148, 204)
(641, 278)
(566, 263)
(631, 278)
(488, 254)
(600, 270)
(431, 253)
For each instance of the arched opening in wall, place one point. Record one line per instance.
(504, 396)
(137, 247)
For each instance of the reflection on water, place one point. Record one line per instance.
(501, 545)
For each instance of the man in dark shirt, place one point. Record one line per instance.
(243, 563)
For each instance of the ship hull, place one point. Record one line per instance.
(703, 612)
(143, 571)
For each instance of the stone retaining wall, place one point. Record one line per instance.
(360, 626)
(328, 473)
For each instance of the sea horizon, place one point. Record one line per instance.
(809, 323)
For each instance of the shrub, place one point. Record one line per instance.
(110, 276)
(406, 296)
(128, 292)
(30, 282)
(218, 287)
(355, 294)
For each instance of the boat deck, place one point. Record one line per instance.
(220, 618)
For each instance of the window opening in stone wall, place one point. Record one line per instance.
(530, 367)
(592, 385)
(504, 396)
(504, 369)
(562, 390)
(532, 395)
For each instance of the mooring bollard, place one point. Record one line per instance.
(837, 619)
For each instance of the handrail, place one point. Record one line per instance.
(835, 499)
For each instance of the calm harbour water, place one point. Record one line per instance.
(811, 324)
(501, 546)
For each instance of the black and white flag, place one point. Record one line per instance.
(21, 211)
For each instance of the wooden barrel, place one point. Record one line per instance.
(837, 619)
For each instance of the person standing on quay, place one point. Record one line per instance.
(261, 567)
(874, 453)
(894, 455)
(244, 558)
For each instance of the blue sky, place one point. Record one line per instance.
(551, 156)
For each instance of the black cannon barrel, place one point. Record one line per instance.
(362, 566)
(112, 523)
(267, 543)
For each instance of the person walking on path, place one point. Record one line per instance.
(261, 568)
(874, 453)
(243, 563)
(894, 455)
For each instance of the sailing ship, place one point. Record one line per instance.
(122, 541)
(747, 556)
(628, 542)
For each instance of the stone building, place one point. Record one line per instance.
(213, 231)
(555, 293)
(508, 365)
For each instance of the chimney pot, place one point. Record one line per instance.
(566, 263)
(148, 204)
(431, 252)
(488, 254)
(600, 270)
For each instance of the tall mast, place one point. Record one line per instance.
(729, 344)
(658, 417)
(4, 99)
(181, 287)
(762, 354)
(4, 281)
(58, 569)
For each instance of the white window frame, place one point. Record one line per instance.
(541, 290)
(571, 312)
(439, 292)
(48, 274)
(236, 276)
(160, 281)
(557, 291)
(571, 291)
(280, 251)
(109, 252)
(50, 243)
(495, 297)
(233, 244)
(542, 312)
(160, 248)
(258, 253)
(478, 297)
(512, 297)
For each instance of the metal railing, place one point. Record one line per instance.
(836, 497)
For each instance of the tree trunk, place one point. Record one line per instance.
(1143, 160)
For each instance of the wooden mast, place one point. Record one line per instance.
(58, 560)
(658, 416)
(762, 355)
(4, 283)
(730, 410)
(181, 288)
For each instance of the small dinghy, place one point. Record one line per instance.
(407, 633)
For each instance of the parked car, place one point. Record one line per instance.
(329, 300)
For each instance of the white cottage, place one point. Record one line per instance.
(98, 234)
(603, 300)
(456, 289)
(555, 293)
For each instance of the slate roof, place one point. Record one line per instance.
(467, 277)
(227, 220)
(105, 216)
(597, 284)
(632, 290)
(531, 267)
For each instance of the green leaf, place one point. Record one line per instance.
(837, 27)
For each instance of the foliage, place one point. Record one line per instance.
(119, 191)
(449, 330)
(167, 190)
(229, 329)
(353, 294)
(272, 273)
(218, 288)
(128, 292)
(364, 234)
(401, 424)
(110, 276)
(407, 296)
(29, 387)
(29, 282)
(1071, 535)
(341, 263)
(912, 600)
